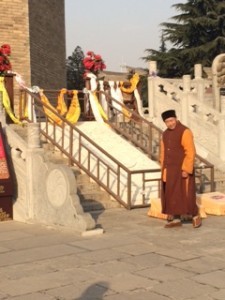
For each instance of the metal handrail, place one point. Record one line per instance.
(148, 141)
(147, 133)
(83, 139)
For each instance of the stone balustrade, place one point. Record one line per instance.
(198, 104)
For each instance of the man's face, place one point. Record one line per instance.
(171, 123)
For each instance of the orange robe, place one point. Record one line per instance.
(178, 194)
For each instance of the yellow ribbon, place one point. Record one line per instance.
(133, 81)
(73, 113)
(6, 102)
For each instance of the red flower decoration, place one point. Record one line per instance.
(5, 65)
(93, 63)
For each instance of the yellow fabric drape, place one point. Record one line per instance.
(23, 105)
(72, 115)
(133, 81)
(100, 109)
(61, 106)
(49, 113)
(6, 102)
(74, 111)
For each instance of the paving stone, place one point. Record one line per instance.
(201, 265)
(206, 297)
(111, 268)
(219, 295)
(148, 260)
(165, 273)
(183, 289)
(33, 296)
(39, 253)
(215, 279)
(91, 290)
(128, 282)
(43, 282)
(3, 249)
(101, 255)
(135, 259)
(137, 295)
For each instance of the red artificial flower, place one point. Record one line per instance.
(93, 62)
(5, 65)
(6, 49)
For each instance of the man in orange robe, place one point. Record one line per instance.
(177, 158)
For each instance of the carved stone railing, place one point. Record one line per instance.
(193, 100)
(45, 192)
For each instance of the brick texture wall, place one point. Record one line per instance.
(35, 30)
(14, 28)
(47, 43)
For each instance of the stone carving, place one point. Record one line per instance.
(56, 187)
(46, 192)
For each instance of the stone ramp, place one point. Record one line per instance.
(121, 149)
(128, 155)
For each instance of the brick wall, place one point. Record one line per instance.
(15, 31)
(47, 43)
(35, 30)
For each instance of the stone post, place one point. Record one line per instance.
(33, 135)
(199, 82)
(221, 138)
(185, 99)
(33, 142)
(2, 111)
(151, 88)
(217, 64)
(198, 71)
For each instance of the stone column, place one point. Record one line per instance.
(185, 99)
(151, 88)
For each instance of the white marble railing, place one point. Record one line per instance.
(45, 192)
(194, 102)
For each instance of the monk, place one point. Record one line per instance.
(177, 158)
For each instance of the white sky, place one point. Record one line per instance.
(118, 30)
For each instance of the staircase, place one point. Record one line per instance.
(92, 198)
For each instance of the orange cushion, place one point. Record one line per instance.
(155, 209)
(213, 203)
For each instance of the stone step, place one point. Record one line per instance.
(91, 205)
(92, 197)
(83, 187)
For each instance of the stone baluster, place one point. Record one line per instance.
(34, 148)
(221, 138)
(2, 111)
(185, 99)
(216, 65)
(199, 82)
(151, 88)
(33, 135)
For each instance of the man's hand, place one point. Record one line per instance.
(184, 174)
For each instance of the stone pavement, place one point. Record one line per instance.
(136, 259)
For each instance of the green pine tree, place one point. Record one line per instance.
(75, 70)
(197, 35)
